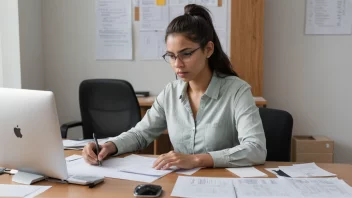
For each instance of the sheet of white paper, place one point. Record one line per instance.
(187, 172)
(152, 45)
(220, 16)
(320, 187)
(223, 37)
(263, 188)
(109, 169)
(153, 17)
(113, 29)
(143, 166)
(9, 190)
(259, 99)
(135, 3)
(178, 2)
(176, 11)
(328, 17)
(207, 2)
(73, 157)
(78, 144)
(38, 191)
(247, 172)
(203, 187)
(306, 170)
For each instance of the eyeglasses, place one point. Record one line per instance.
(183, 56)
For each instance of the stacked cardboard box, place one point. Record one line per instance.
(312, 149)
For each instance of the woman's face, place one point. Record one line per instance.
(187, 59)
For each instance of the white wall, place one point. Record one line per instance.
(308, 75)
(69, 56)
(11, 69)
(1, 78)
(30, 29)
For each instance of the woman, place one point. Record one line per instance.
(209, 112)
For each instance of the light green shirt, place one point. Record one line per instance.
(227, 124)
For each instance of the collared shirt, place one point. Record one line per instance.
(227, 124)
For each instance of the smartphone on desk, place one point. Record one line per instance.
(147, 190)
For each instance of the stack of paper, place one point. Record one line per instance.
(305, 170)
(9, 190)
(261, 187)
(203, 187)
(79, 144)
(247, 172)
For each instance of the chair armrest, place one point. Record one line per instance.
(64, 128)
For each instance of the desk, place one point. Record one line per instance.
(163, 144)
(124, 188)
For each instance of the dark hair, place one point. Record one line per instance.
(196, 25)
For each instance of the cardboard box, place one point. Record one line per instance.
(318, 149)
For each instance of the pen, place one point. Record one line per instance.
(97, 148)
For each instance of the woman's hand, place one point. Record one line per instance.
(105, 150)
(179, 160)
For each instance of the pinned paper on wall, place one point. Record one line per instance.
(113, 30)
(152, 45)
(153, 17)
(328, 17)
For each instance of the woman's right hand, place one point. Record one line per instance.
(105, 150)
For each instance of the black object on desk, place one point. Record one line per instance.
(142, 93)
(148, 190)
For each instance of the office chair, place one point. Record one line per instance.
(278, 132)
(108, 108)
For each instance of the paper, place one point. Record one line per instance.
(247, 172)
(180, 2)
(220, 16)
(152, 45)
(79, 144)
(220, 20)
(9, 190)
(143, 166)
(305, 170)
(153, 17)
(176, 11)
(73, 157)
(207, 2)
(328, 17)
(203, 187)
(320, 187)
(113, 29)
(263, 188)
(187, 171)
(223, 40)
(261, 99)
(110, 168)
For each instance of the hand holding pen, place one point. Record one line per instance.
(92, 155)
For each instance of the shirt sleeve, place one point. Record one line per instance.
(252, 148)
(146, 131)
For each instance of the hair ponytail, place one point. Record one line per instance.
(196, 25)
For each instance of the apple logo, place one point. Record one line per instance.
(17, 132)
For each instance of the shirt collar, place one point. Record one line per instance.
(213, 87)
(212, 90)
